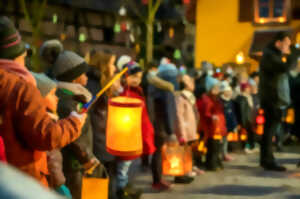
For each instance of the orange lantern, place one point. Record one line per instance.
(176, 159)
(243, 136)
(290, 118)
(124, 127)
(233, 137)
(260, 130)
(95, 185)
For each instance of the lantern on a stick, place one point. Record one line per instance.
(124, 129)
(176, 159)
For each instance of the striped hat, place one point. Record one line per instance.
(11, 44)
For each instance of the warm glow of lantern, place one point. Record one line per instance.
(176, 159)
(290, 118)
(240, 58)
(123, 132)
(262, 20)
(244, 137)
(281, 19)
(260, 130)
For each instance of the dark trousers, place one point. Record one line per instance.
(156, 164)
(273, 124)
(213, 156)
(251, 136)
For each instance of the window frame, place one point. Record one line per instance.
(285, 19)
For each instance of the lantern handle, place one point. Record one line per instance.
(87, 106)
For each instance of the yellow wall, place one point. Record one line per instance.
(219, 34)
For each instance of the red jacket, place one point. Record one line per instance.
(147, 128)
(210, 106)
(2, 151)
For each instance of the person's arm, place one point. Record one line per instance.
(160, 83)
(35, 126)
(275, 63)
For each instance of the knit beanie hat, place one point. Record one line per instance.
(69, 66)
(124, 59)
(244, 86)
(50, 50)
(225, 87)
(11, 44)
(44, 83)
(210, 82)
(133, 68)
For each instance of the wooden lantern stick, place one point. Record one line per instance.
(87, 106)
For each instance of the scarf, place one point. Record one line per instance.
(225, 98)
(19, 70)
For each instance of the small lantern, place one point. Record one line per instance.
(95, 184)
(290, 118)
(243, 136)
(233, 137)
(176, 159)
(124, 127)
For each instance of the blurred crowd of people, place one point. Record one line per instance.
(43, 133)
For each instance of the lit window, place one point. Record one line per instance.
(271, 11)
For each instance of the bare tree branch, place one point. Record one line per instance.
(132, 4)
(155, 8)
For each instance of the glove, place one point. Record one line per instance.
(91, 165)
(81, 117)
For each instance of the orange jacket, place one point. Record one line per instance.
(27, 130)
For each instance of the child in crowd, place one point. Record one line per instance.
(230, 116)
(132, 89)
(245, 114)
(187, 116)
(56, 178)
(213, 123)
(70, 67)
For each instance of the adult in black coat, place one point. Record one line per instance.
(278, 59)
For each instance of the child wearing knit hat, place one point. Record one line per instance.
(213, 123)
(230, 116)
(56, 179)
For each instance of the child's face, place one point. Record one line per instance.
(254, 89)
(52, 100)
(82, 80)
(228, 94)
(248, 90)
(215, 90)
(134, 80)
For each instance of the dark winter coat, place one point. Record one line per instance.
(230, 115)
(80, 151)
(27, 129)
(245, 113)
(274, 87)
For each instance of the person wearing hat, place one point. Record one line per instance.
(27, 141)
(213, 123)
(70, 67)
(56, 176)
(230, 115)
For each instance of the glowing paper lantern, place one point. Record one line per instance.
(95, 186)
(177, 54)
(176, 159)
(290, 118)
(186, 1)
(124, 127)
(233, 137)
